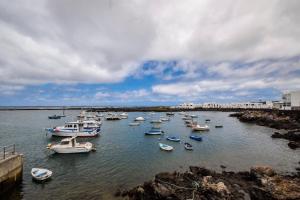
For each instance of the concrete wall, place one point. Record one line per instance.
(11, 170)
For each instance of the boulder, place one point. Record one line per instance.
(261, 171)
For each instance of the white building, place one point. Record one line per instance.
(187, 106)
(291, 100)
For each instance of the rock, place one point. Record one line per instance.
(261, 171)
(294, 145)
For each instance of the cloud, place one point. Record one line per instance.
(217, 45)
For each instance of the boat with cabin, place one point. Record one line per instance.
(78, 128)
(70, 145)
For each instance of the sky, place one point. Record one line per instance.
(138, 52)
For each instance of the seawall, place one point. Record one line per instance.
(11, 170)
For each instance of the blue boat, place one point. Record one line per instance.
(173, 139)
(154, 131)
(54, 117)
(195, 137)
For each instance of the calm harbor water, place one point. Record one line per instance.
(126, 157)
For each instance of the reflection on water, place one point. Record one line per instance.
(126, 157)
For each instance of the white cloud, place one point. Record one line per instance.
(67, 41)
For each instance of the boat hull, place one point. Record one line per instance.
(71, 150)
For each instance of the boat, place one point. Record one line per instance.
(190, 123)
(154, 131)
(164, 119)
(207, 120)
(70, 145)
(188, 146)
(139, 119)
(124, 115)
(165, 147)
(200, 128)
(173, 139)
(134, 124)
(157, 121)
(113, 117)
(78, 128)
(54, 117)
(40, 174)
(193, 116)
(170, 114)
(219, 126)
(195, 137)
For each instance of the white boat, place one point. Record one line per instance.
(124, 115)
(200, 128)
(140, 119)
(70, 145)
(134, 124)
(165, 147)
(164, 119)
(157, 121)
(193, 116)
(78, 128)
(154, 131)
(40, 174)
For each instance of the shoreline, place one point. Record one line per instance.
(287, 124)
(260, 183)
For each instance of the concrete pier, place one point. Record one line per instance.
(11, 168)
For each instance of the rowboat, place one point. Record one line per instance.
(134, 124)
(195, 137)
(188, 146)
(200, 128)
(165, 147)
(173, 139)
(40, 174)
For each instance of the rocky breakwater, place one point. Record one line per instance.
(287, 121)
(261, 182)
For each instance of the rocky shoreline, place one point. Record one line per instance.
(260, 183)
(288, 123)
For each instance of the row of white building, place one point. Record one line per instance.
(289, 101)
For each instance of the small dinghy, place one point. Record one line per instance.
(154, 131)
(173, 139)
(139, 119)
(188, 146)
(40, 174)
(165, 147)
(165, 119)
(195, 137)
(200, 128)
(134, 124)
(219, 126)
(156, 121)
(54, 117)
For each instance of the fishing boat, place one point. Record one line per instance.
(219, 126)
(154, 131)
(195, 137)
(200, 128)
(156, 121)
(165, 147)
(173, 139)
(139, 119)
(70, 145)
(188, 146)
(134, 124)
(54, 117)
(78, 128)
(40, 174)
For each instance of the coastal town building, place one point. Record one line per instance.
(291, 101)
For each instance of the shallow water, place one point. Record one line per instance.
(126, 157)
